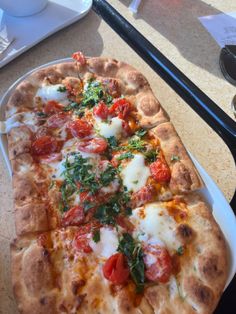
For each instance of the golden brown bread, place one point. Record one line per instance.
(44, 281)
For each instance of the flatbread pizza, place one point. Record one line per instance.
(108, 217)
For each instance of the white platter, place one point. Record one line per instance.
(221, 209)
(28, 31)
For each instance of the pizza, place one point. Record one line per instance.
(107, 210)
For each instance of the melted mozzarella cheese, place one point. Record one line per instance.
(57, 169)
(18, 119)
(51, 92)
(111, 128)
(135, 173)
(107, 245)
(154, 221)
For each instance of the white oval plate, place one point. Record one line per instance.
(221, 210)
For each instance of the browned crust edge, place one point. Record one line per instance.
(184, 175)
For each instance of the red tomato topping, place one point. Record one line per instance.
(126, 128)
(160, 171)
(95, 145)
(101, 110)
(79, 57)
(116, 269)
(158, 263)
(80, 128)
(73, 217)
(86, 196)
(58, 120)
(121, 108)
(52, 107)
(45, 145)
(83, 236)
(81, 243)
(144, 195)
(125, 223)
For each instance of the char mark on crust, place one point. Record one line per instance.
(21, 98)
(212, 268)
(185, 233)
(198, 294)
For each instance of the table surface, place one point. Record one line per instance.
(172, 26)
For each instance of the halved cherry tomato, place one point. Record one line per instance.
(86, 196)
(81, 243)
(160, 171)
(58, 120)
(83, 236)
(79, 57)
(158, 263)
(144, 195)
(95, 145)
(45, 145)
(80, 128)
(73, 217)
(121, 108)
(52, 107)
(116, 269)
(101, 110)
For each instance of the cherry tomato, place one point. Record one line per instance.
(45, 145)
(116, 269)
(158, 263)
(101, 110)
(160, 171)
(80, 128)
(79, 57)
(83, 236)
(73, 217)
(95, 145)
(144, 195)
(121, 108)
(58, 120)
(81, 243)
(52, 107)
(86, 196)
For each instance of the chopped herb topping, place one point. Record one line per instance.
(108, 175)
(107, 213)
(175, 158)
(136, 143)
(61, 89)
(93, 94)
(151, 155)
(112, 141)
(141, 132)
(96, 236)
(66, 191)
(133, 251)
(135, 182)
(180, 250)
(126, 155)
(128, 211)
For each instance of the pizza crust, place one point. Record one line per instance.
(36, 285)
(184, 175)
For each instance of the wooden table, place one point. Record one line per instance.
(172, 26)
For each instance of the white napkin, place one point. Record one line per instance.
(222, 27)
(5, 39)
